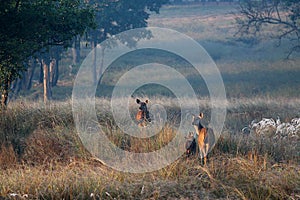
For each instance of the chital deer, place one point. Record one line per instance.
(142, 116)
(206, 138)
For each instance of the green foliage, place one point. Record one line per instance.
(31, 26)
(113, 17)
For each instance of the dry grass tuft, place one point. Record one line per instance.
(8, 157)
(252, 179)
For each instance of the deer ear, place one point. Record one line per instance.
(146, 101)
(138, 101)
(201, 115)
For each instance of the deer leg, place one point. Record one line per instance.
(201, 153)
(204, 160)
(206, 148)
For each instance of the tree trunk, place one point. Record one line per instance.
(46, 82)
(4, 99)
(31, 73)
(23, 79)
(55, 74)
(12, 88)
(51, 71)
(76, 50)
(4, 95)
(41, 77)
(45, 72)
(94, 70)
(56, 71)
(101, 64)
(19, 85)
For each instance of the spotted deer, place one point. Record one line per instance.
(206, 138)
(142, 116)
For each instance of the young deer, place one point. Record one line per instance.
(190, 144)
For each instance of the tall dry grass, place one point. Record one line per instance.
(226, 176)
(53, 164)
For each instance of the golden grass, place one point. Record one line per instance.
(225, 176)
(54, 164)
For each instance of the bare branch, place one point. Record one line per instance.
(278, 13)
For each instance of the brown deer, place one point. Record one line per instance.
(206, 138)
(142, 116)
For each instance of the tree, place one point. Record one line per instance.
(283, 15)
(114, 17)
(31, 26)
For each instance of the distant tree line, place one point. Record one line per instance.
(34, 35)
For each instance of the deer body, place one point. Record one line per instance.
(142, 116)
(205, 139)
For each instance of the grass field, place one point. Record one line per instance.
(42, 157)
